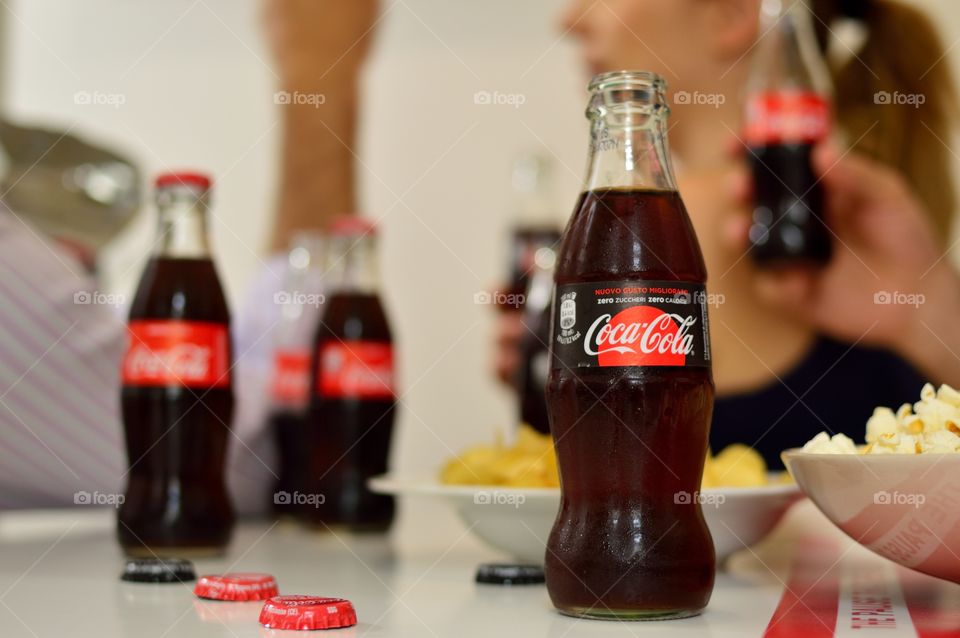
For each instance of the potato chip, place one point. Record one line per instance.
(531, 462)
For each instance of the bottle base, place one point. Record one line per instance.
(604, 613)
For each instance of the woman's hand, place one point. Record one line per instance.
(889, 282)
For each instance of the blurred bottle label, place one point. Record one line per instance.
(786, 117)
(290, 386)
(194, 354)
(356, 370)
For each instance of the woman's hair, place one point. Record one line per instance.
(896, 96)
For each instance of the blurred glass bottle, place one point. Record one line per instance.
(535, 225)
(300, 303)
(177, 396)
(353, 396)
(535, 342)
(787, 113)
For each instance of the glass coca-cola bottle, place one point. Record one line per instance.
(300, 300)
(535, 342)
(630, 390)
(787, 113)
(535, 226)
(177, 395)
(352, 390)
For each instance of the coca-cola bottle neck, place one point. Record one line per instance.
(628, 133)
(352, 265)
(786, 55)
(182, 223)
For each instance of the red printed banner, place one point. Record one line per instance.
(291, 377)
(355, 369)
(195, 354)
(808, 608)
(792, 117)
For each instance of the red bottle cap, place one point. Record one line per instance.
(352, 226)
(184, 178)
(237, 587)
(307, 612)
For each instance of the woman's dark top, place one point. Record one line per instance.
(835, 388)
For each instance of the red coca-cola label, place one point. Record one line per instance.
(162, 352)
(355, 369)
(786, 117)
(290, 385)
(630, 323)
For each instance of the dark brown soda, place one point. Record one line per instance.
(176, 437)
(630, 439)
(289, 427)
(350, 437)
(788, 228)
(531, 377)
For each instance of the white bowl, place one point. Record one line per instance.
(518, 520)
(905, 507)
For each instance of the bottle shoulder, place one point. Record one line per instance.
(626, 234)
(185, 289)
(353, 317)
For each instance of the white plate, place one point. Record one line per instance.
(518, 520)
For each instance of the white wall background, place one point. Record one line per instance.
(198, 92)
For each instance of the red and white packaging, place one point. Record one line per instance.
(161, 352)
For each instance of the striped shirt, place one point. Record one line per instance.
(61, 343)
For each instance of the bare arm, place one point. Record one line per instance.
(319, 47)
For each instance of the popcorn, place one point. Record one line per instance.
(823, 443)
(931, 425)
(895, 443)
(940, 442)
(883, 421)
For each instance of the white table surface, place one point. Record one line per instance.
(59, 579)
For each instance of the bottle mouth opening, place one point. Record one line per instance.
(628, 99)
(181, 195)
(628, 79)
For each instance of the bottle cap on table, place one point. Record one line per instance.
(507, 574)
(237, 586)
(307, 612)
(158, 570)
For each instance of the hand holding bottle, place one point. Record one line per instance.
(890, 283)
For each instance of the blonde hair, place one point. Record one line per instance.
(902, 54)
